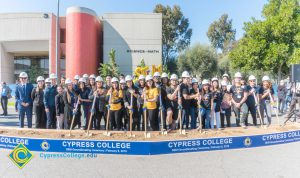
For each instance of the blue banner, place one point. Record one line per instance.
(149, 147)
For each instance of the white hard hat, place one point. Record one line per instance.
(92, 76)
(156, 74)
(223, 83)
(23, 75)
(128, 78)
(76, 77)
(122, 81)
(185, 74)
(238, 75)
(85, 76)
(99, 79)
(114, 79)
(282, 82)
(251, 77)
(266, 78)
(225, 75)
(194, 80)
(40, 78)
(148, 77)
(53, 76)
(205, 82)
(164, 75)
(68, 81)
(174, 77)
(141, 77)
(82, 80)
(214, 79)
(47, 80)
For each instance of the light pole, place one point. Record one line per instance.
(57, 40)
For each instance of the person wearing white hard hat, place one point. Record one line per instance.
(225, 105)
(239, 97)
(75, 82)
(100, 93)
(49, 102)
(59, 106)
(140, 85)
(150, 94)
(217, 97)
(131, 103)
(157, 79)
(281, 93)
(86, 103)
(23, 98)
(194, 103)
(70, 98)
(37, 95)
(172, 94)
(225, 77)
(124, 116)
(92, 82)
(252, 99)
(115, 105)
(185, 98)
(47, 83)
(206, 103)
(5, 95)
(266, 96)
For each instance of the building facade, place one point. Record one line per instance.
(28, 42)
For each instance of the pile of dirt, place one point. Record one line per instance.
(139, 136)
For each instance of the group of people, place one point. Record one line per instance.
(158, 98)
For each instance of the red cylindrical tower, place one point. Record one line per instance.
(82, 45)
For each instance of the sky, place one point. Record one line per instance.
(201, 13)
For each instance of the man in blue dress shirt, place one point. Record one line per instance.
(24, 101)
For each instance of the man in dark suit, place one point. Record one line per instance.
(24, 101)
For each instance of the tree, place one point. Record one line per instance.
(221, 34)
(199, 60)
(111, 68)
(176, 34)
(34, 72)
(273, 43)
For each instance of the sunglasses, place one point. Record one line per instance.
(23, 78)
(251, 80)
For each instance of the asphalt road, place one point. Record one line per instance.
(281, 161)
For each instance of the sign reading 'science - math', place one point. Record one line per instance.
(147, 147)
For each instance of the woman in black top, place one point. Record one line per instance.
(100, 93)
(206, 103)
(70, 100)
(217, 96)
(59, 107)
(37, 95)
(193, 104)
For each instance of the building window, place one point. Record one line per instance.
(24, 64)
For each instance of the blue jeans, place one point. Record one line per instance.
(205, 113)
(185, 117)
(22, 112)
(265, 106)
(193, 117)
(86, 115)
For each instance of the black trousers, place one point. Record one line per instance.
(226, 116)
(115, 119)
(252, 109)
(152, 117)
(135, 119)
(4, 101)
(294, 101)
(40, 116)
(98, 116)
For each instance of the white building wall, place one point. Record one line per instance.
(133, 36)
(22, 34)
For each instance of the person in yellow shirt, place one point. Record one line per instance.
(151, 93)
(115, 104)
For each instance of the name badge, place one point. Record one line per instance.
(239, 96)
